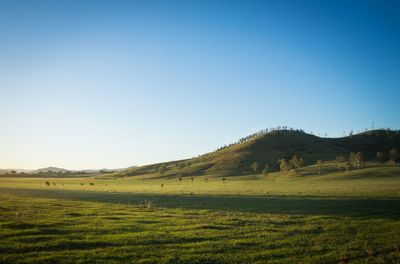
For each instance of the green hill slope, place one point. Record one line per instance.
(268, 148)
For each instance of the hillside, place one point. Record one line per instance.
(268, 148)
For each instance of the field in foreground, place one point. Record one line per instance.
(298, 218)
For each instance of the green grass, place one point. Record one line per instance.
(300, 217)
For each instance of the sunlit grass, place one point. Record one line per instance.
(295, 218)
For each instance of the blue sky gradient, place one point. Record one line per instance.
(94, 84)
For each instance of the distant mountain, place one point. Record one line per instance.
(62, 170)
(268, 147)
(51, 170)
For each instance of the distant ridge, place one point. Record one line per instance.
(50, 169)
(268, 147)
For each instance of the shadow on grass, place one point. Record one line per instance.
(298, 205)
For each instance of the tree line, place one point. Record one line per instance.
(284, 165)
(355, 160)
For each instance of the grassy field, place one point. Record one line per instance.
(335, 217)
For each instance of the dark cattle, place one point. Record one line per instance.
(48, 183)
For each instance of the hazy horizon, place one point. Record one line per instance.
(138, 165)
(101, 84)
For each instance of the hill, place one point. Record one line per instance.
(50, 169)
(268, 147)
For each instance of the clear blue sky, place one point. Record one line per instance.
(94, 84)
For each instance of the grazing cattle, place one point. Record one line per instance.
(91, 184)
(162, 185)
(48, 183)
(54, 183)
(82, 183)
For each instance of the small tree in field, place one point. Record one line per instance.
(394, 156)
(319, 165)
(357, 159)
(361, 158)
(283, 165)
(255, 166)
(265, 170)
(340, 162)
(380, 158)
(352, 159)
(347, 166)
(296, 162)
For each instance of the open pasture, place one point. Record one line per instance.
(298, 218)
